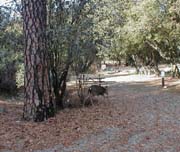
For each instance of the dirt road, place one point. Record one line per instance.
(140, 116)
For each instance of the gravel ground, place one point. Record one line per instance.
(141, 117)
(153, 121)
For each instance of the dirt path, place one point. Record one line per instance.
(151, 122)
(138, 117)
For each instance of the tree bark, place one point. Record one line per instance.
(175, 71)
(38, 104)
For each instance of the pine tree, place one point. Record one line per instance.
(38, 104)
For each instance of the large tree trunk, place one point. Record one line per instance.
(38, 104)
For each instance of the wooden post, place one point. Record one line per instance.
(163, 84)
(99, 80)
(163, 75)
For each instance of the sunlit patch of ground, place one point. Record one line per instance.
(131, 78)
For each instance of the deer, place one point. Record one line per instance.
(96, 90)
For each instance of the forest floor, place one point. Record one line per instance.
(140, 116)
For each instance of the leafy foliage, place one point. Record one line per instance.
(144, 33)
(11, 41)
(138, 33)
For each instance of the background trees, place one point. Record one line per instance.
(10, 49)
(147, 34)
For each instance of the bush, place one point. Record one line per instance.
(8, 78)
(20, 75)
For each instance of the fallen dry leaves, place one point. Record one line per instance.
(72, 124)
